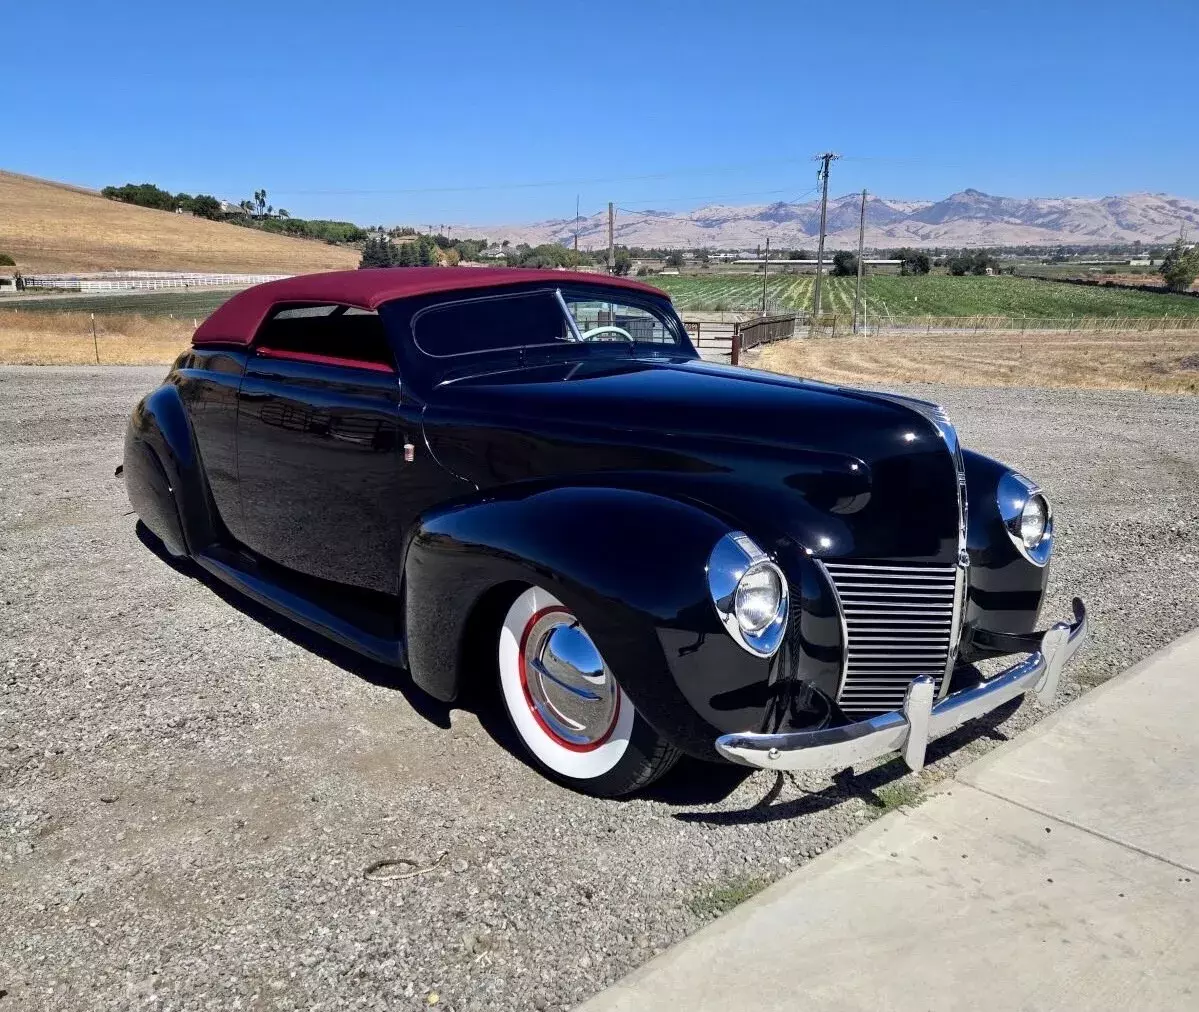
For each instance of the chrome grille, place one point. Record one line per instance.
(899, 622)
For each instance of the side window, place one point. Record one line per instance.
(497, 323)
(331, 334)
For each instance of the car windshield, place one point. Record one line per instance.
(544, 319)
(613, 320)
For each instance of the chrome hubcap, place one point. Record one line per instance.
(569, 686)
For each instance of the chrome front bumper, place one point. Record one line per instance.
(920, 721)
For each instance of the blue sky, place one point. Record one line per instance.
(434, 112)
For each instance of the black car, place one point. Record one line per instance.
(532, 476)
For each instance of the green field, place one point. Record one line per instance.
(886, 295)
(187, 302)
(928, 295)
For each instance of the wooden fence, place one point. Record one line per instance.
(725, 341)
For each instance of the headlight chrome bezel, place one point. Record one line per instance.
(734, 557)
(1014, 493)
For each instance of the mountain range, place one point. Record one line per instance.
(968, 218)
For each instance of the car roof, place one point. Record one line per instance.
(236, 321)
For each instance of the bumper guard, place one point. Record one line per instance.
(910, 729)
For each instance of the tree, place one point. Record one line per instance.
(674, 259)
(704, 257)
(375, 253)
(7, 261)
(426, 251)
(971, 262)
(622, 261)
(408, 255)
(799, 254)
(204, 205)
(142, 194)
(1180, 266)
(915, 261)
(845, 264)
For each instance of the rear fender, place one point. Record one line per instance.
(164, 476)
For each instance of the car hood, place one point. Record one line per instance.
(842, 472)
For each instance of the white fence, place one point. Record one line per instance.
(125, 281)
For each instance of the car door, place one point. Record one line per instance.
(320, 438)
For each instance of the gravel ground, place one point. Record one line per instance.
(191, 792)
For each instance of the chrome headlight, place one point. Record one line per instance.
(1027, 517)
(749, 592)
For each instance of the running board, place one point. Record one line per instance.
(386, 650)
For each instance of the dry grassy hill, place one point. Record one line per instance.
(49, 226)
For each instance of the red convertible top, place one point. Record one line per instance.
(236, 321)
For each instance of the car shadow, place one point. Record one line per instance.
(846, 785)
(382, 675)
(692, 782)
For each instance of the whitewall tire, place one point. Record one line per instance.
(566, 706)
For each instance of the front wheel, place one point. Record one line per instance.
(566, 706)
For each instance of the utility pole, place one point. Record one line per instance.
(611, 238)
(857, 292)
(765, 271)
(576, 230)
(822, 175)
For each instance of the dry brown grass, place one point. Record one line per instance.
(66, 339)
(1164, 362)
(47, 226)
(1167, 362)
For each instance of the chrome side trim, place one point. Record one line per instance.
(955, 626)
(832, 586)
(910, 729)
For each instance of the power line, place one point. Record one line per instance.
(685, 172)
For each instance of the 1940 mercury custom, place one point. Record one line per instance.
(656, 554)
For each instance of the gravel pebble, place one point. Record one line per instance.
(259, 770)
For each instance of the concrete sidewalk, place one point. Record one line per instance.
(1061, 871)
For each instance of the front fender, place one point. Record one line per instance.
(629, 564)
(1005, 589)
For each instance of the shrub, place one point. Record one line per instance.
(7, 261)
(1181, 266)
(845, 264)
